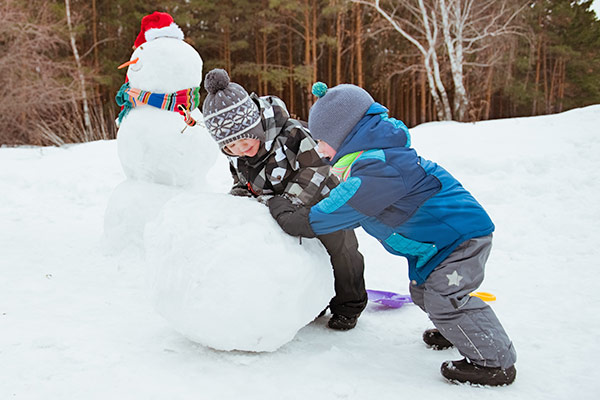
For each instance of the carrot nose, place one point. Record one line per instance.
(128, 63)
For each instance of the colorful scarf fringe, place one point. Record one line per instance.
(129, 97)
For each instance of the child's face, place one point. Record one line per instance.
(243, 148)
(326, 150)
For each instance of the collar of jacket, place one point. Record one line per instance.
(375, 109)
(274, 115)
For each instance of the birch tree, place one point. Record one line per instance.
(86, 110)
(424, 36)
(467, 27)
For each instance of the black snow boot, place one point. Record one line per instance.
(464, 371)
(340, 322)
(434, 339)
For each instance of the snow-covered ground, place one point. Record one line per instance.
(76, 321)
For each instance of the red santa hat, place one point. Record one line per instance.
(156, 25)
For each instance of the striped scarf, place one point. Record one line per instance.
(343, 167)
(180, 101)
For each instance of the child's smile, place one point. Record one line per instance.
(243, 148)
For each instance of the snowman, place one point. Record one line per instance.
(158, 139)
(218, 267)
(163, 147)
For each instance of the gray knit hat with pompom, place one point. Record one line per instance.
(336, 112)
(229, 112)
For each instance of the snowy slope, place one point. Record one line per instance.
(76, 322)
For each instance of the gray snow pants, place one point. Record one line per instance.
(348, 273)
(467, 322)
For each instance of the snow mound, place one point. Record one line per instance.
(130, 206)
(224, 274)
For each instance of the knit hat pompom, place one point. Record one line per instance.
(229, 111)
(216, 80)
(333, 116)
(319, 89)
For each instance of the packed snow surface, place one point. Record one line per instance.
(77, 322)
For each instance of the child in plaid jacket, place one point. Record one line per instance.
(273, 154)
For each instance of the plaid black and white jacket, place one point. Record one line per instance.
(287, 163)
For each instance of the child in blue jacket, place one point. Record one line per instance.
(417, 210)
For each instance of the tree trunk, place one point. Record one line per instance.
(257, 48)
(314, 43)
(95, 34)
(307, 45)
(538, 67)
(86, 111)
(413, 103)
(330, 57)
(279, 62)
(545, 76)
(455, 55)
(488, 95)
(227, 46)
(265, 63)
(359, 53)
(291, 70)
(339, 47)
(553, 85)
(561, 87)
(423, 97)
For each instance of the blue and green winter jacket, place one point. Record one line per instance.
(413, 206)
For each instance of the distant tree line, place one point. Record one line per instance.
(426, 60)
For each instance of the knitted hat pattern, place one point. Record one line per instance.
(156, 25)
(337, 111)
(229, 112)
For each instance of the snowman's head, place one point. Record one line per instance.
(164, 65)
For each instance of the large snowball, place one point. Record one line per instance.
(152, 143)
(130, 206)
(224, 274)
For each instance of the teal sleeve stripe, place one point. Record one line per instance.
(398, 125)
(339, 195)
(373, 154)
(422, 251)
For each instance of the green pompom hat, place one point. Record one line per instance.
(336, 112)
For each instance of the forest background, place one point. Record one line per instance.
(426, 60)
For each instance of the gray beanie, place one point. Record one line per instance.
(337, 111)
(229, 112)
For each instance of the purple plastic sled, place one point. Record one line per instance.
(388, 299)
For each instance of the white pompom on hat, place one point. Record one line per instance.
(157, 25)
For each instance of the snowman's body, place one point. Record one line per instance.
(151, 144)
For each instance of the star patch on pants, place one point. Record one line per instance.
(454, 279)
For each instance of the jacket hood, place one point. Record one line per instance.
(274, 115)
(376, 130)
